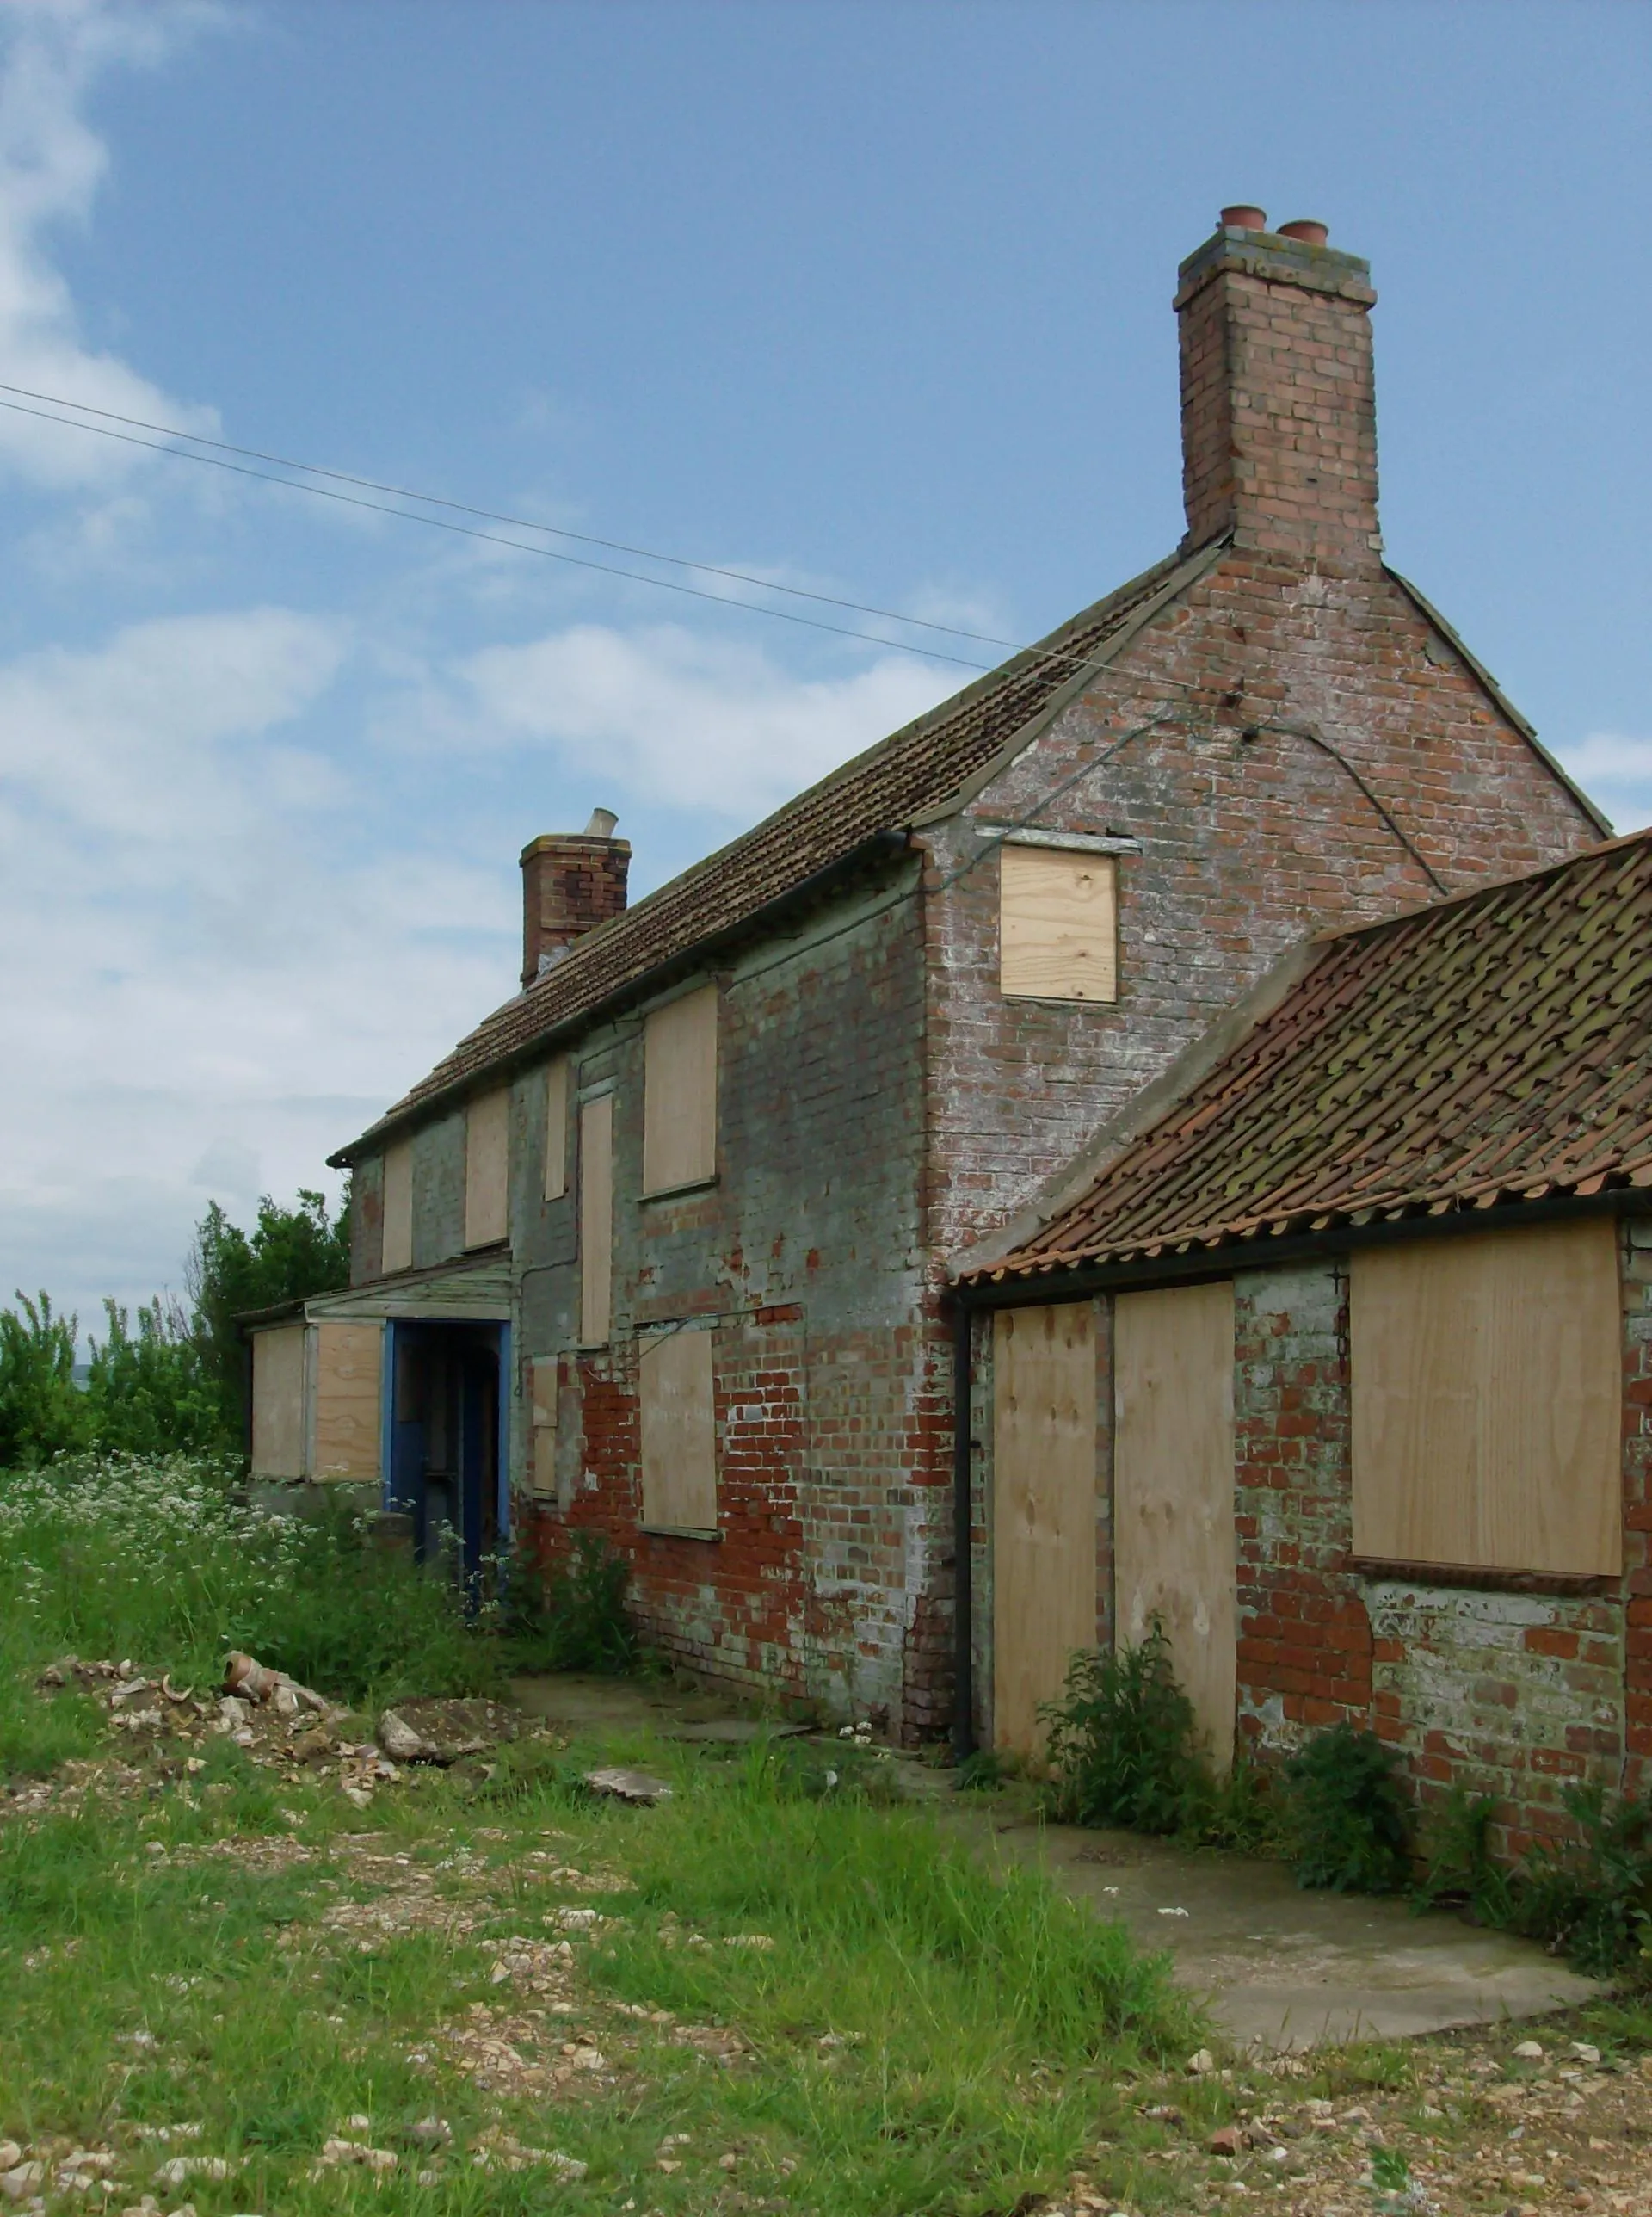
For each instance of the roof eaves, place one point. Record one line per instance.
(1183, 574)
(1523, 724)
(887, 844)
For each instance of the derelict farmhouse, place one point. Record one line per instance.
(1213, 1051)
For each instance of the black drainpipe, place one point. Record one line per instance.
(963, 1597)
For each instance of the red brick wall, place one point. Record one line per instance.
(1246, 845)
(571, 881)
(1277, 410)
(830, 1580)
(1509, 1693)
(1638, 1504)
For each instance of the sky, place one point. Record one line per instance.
(868, 300)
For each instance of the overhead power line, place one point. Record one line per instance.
(517, 522)
(181, 447)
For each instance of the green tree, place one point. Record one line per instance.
(42, 1412)
(290, 1253)
(152, 1393)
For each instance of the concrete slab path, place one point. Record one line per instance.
(1278, 1968)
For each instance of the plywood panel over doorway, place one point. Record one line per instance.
(347, 1400)
(1044, 1582)
(1173, 1490)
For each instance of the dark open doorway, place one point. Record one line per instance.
(447, 1462)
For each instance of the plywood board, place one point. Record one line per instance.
(555, 1129)
(679, 1428)
(1058, 926)
(398, 1252)
(1173, 1490)
(487, 1168)
(680, 1092)
(1044, 1508)
(278, 1425)
(596, 1221)
(347, 1416)
(1486, 1381)
(542, 1383)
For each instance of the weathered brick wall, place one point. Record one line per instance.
(1509, 1693)
(439, 1190)
(367, 1220)
(1305, 1641)
(1246, 844)
(807, 1256)
(1278, 411)
(1638, 1504)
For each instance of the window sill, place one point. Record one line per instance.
(681, 1531)
(1477, 1578)
(688, 1185)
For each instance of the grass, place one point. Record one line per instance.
(237, 1949)
(152, 1557)
(917, 2037)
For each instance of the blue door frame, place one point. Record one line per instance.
(404, 1439)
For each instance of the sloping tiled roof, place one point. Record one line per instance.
(1493, 1048)
(916, 770)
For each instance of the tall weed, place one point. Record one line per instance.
(1348, 1826)
(889, 1910)
(151, 1557)
(1121, 1744)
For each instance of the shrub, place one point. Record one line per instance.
(575, 1619)
(42, 1412)
(1121, 1745)
(1458, 1867)
(151, 1394)
(1347, 1826)
(288, 1253)
(1592, 1896)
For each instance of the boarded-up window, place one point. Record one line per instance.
(347, 1408)
(487, 1169)
(1174, 1547)
(679, 1093)
(542, 1426)
(1487, 1380)
(1058, 922)
(399, 1208)
(596, 1221)
(555, 1129)
(678, 1433)
(278, 1402)
(1044, 1575)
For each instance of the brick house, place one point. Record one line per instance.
(661, 1249)
(1342, 1365)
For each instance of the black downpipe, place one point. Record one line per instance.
(963, 1583)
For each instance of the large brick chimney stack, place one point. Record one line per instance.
(571, 881)
(1278, 424)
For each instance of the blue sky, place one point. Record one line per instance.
(870, 299)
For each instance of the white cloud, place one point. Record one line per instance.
(1615, 770)
(51, 166)
(687, 721)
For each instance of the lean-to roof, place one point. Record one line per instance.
(1493, 1048)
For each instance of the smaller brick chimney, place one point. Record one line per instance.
(572, 880)
(1278, 415)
